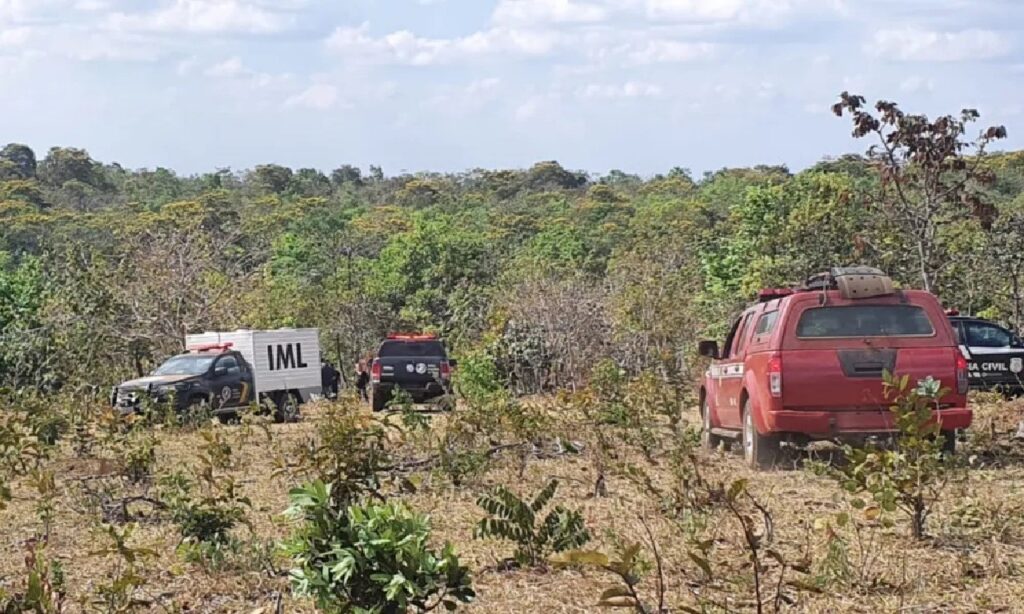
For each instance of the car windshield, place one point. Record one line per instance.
(864, 321)
(390, 349)
(185, 365)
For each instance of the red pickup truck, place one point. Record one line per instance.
(807, 364)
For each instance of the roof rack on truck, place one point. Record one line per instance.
(851, 282)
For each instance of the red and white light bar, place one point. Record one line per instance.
(412, 336)
(210, 347)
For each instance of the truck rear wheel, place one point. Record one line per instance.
(759, 451)
(948, 442)
(287, 407)
(378, 399)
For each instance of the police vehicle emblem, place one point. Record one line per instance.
(225, 394)
(1016, 365)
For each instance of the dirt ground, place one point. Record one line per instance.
(972, 561)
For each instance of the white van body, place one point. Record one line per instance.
(286, 359)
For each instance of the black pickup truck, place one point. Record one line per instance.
(415, 363)
(995, 354)
(215, 377)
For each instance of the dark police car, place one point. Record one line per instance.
(213, 376)
(995, 354)
(416, 363)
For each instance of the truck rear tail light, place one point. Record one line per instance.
(375, 371)
(961, 372)
(446, 369)
(775, 376)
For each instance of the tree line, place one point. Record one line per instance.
(546, 270)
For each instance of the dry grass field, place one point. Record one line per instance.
(971, 561)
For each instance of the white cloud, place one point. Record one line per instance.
(668, 51)
(229, 68)
(404, 47)
(205, 17)
(630, 89)
(186, 66)
(750, 11)
(460, 101)
(233, 70)
(77, 42)
(14, 37)
(917, 84)
(518, 12)
(92, 6)
(531, 108)
(916, 45)
(319, 97)
(483, 86)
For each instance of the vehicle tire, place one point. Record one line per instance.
(196, 412)
(287, 407)
(759, 451)
(948, 442)
(378, 399)
(708, 440)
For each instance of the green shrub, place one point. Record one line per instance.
(350, 452)
(516, 520)
(911, 475)
(369, 558)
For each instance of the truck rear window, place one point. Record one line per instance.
(864, 321)
(391, 349)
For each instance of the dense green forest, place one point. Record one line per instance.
(102, 268)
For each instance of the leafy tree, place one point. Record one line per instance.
(347, 174)
(66, 164)
(24, 339)
(311, 182)
(272, 178)
(17, 162)
(23, 191)
(551, 176)
(930, 175)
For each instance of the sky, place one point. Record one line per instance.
(448, 85)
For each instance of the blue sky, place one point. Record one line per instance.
(413, 85)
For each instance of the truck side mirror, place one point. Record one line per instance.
(708, 349)
(453, 363)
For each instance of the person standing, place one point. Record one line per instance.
(362, 380)
(329, 377)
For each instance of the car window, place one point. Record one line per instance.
(984, 335)
(767, 323)
(229, 363)
(730, 338)
(390, 349)
(741, 335)
(187, 364)
(864, 321)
